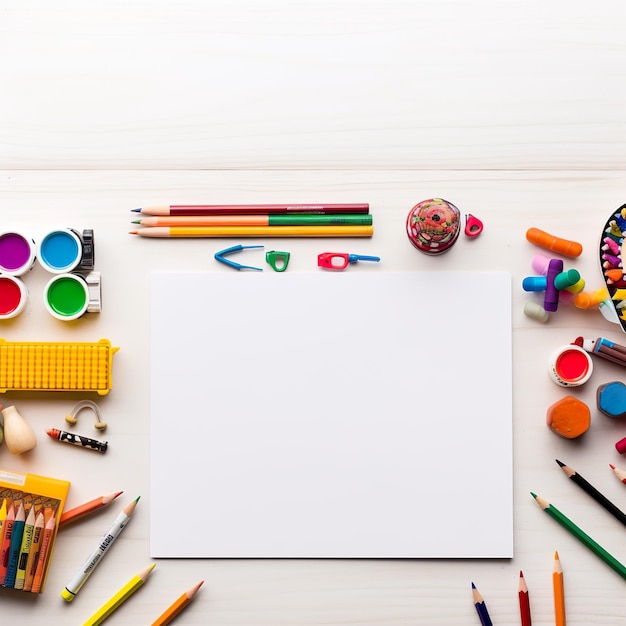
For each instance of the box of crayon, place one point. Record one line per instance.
(30, 509)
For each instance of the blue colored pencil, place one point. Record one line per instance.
(481, 607)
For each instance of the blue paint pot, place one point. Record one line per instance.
(60, 251)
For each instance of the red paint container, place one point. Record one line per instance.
(13, 295)
(570, 366)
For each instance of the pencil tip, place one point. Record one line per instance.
(611, 466)
(135, 222)
(473, 586)
(521, 574)
(132, 232)
(556, 555)
(136, 210)
(137, 498)
(559, 463)
(534, 495)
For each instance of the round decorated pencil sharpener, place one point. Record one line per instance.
(433, 225)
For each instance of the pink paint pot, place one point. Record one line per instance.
(570, 366)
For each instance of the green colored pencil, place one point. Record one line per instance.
(582, 536)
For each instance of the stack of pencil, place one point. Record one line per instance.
(255, 220)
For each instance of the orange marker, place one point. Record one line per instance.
(556, 244)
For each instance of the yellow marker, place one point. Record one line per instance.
(121, 596)
(56, 366)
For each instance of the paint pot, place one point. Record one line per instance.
(66, 296)
(13, 296)
(17, 253)
(570, 366)
(60, 251)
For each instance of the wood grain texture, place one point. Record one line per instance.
(313, 85)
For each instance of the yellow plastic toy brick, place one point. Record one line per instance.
(56, 366)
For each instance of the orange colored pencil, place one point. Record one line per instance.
(44, 552)
(559, 592)
(174, 609)
(88, 507)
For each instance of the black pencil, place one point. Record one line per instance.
(593, 492)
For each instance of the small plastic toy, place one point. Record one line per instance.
(72, 418)
(56, 366)
(433, 225)
(221, 257)
(340, 260)
(473, 226)
(277, 260)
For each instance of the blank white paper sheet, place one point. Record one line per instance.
(354, 414)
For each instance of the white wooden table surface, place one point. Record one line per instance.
(515, 111)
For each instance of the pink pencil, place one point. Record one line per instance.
(252, 209)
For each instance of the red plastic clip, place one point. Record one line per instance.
(473, 226)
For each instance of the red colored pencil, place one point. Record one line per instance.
(621, 474)
(524, 603)
(253, 209)
(86, 508)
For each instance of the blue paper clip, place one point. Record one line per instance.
(221, 257)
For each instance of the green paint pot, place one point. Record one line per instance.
(66, 297)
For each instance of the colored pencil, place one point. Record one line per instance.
(5, 544)
(107, 540)
(558, 591)
(33, 557)
(88, 507)
(621, 474)
(255, 231)
(524, 601)
(253, 209)
(27, 542)
(582, 536)
(355, 219)
(593, 492)
(481, 607)
(44, 552)
(120, 597)
(177, 606)
(16, 544)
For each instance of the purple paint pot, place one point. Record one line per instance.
(17, 253)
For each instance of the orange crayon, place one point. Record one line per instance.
(555, 244)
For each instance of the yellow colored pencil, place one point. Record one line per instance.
(121, 596)
(559, 592)
(25, 548)
(176, 607)
(255, 231)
